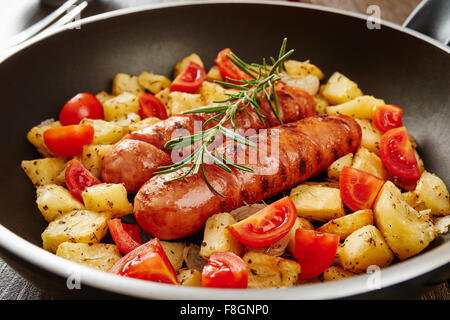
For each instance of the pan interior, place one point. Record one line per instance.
(386, 63)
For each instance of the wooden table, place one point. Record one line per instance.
(19, 14)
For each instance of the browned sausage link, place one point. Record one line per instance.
(306, 148)
(295, 104)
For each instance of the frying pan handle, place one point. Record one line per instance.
(431, 17)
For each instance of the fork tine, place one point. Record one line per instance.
(35, 28)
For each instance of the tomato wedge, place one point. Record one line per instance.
(78, 178)
(126, 236)
(397, 154)
(190, 79)
(68, 141)
(266, 226)
(225, 270)
(228, 69)
(83, 105)
(314, 251)
(358, 188)
(151, 106)
(387, 117)
(147, 262)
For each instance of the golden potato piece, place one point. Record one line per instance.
(174, 252)
(92, 158)
(369, 162)
(336, 273)
(432, 191)
(190, 278)
(363, 248)
(181, 65)
(119, 106)
(340, 89)
(360, 107)
(153, 82)
(305, 68)
(124, 83)
(36, 137)
(334, 170)
(107, 197)
(266, 271)
(54, 201)
(81, 226)
(43, 171)
(347, 224)
(371, 137)
(105, 132)
(100, 256)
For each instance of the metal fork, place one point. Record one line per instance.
(46, 24)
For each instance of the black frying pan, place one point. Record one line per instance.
(392, 63)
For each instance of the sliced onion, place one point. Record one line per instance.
(192, 257)
(276, 249)
(246, 211)
(442, 224)
(309, 83)
(46, 122)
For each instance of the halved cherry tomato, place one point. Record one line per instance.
(266, 226)
(78, 178)
(397, 154)
(68, 141)
(147, 262)
(190, 79)
(228, 69)
(358, 188)
(151, 106)
(225, 270)
(83, 105)
(126, 236)
(314, 251)
(387, 117)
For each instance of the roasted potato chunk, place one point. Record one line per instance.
(119, 106)
(214, 74)
(369, 162)
(181, 65)
(36, 137)
(363, 248)
(305, 68)
(336, 273)
(179, 102)
(54, 201)
(124, 83)
(371, 137)
(317, 202)
(406, 231)
(174, 252)
(217, 238)
(334, 170)
(107, 197)
(92, 158)
(43, 171)
(102, 96)
(432, 191)
(349, 223)
(153, 82)
(105, 132)
(321, 104)
(211, 92)
(143, 124)
(190, 278)
(81, 226)
(340, 89)
(360, 107)
(266, 271)
(100, 256)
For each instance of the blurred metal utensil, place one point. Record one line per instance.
(47, 23)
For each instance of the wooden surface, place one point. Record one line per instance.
(19, 14)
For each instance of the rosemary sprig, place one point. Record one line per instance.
(260, 83)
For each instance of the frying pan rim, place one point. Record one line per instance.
(392, 275)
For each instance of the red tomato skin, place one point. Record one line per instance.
(225, 270)
(190, 79)
(387, 117)
(147, 262)
(314, 251)
(151, 106)
(68, 141)
(228, 69)
(126, 237)
(266, 226)
(83, 105)
(397, 155)
(358, 188)
(78, 178)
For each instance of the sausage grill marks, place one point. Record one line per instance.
(180, 208)
(134, 159)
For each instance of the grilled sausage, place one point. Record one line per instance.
(143, 160)
(176, 209)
